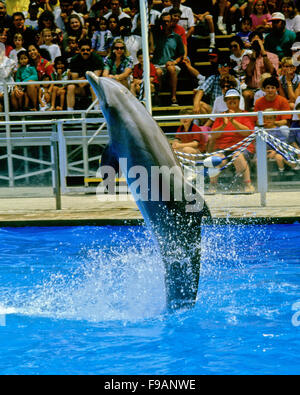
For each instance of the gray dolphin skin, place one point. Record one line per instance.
(172, 208)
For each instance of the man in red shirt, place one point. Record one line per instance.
(241, 127)
(273, 100)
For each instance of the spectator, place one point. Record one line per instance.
(260, 93)
(289, 82)
(256, 64)
(66, 9)
(186, 141)
(280, 40)
(167, 53)
(203, 13)
(211, 88)
(187, 17)
(227, 82)
(116, 11)
(53, 49)
(137, 74)
(175, 18)
(7, 67)
(85, 61)
(18, 22)
(238, 51)
(273, 5)
(114, 27)
(118, 64)
(4, 40)
(45, 94)
(5, 19)
(132, 41)
(72, 49)
(214, 57)
(74, 27)
(46, 21)
(18, 42)
(292, 18)
(241, 127)
(244, 33)
(102, 37)
(61, 73)
(99, 9)
(261, 17)
(281, 134)
(32, 19)
(42, 65)
(273, 100)
(25, 73)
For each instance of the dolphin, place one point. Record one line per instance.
(171, 206)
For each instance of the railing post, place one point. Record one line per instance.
(10, 164)
(55, 168)
(262, 167)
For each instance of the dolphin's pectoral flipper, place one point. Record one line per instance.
(109, 159)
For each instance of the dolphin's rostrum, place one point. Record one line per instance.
(172, 207)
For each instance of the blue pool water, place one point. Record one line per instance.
(90, 300)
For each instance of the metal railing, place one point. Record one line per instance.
(65, 140)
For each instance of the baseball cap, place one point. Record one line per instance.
(278, 16)
(232, 93)
(213, 52)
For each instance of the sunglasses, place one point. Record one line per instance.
(119, 48)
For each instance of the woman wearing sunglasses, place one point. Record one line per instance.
(118, 64)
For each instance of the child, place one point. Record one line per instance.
(45, 94)
(138, 76)
(18, 42)
(261, 18)
(72, 48)
(189, 143)
(282, 134)
(32, 18)
(25, 73)
(53, 49)
(246, 28)
(61, 74)
(260, 93)
(102, 38)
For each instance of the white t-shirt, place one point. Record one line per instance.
(133, 44)
(187, 19)
(293, 24)
(53, 50)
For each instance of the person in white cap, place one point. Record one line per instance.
(237, 129)
(280, 39)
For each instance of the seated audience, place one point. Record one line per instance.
(61, 73)
(116, 11)
(261, 17)
(187, 17)
(187, 142)
(220, 141)
(25, 73)
(137, 74)
(53, 49)
(102, 37)
(256, 64)
(292, 18)
(280, 39)
(273, 100)
(168, 52)
(18, 43)
(118, 64)
(289, 81)
(45, 94)
(245, 31)
(85, 61)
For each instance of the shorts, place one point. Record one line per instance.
(164, 69)
(247, 154)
